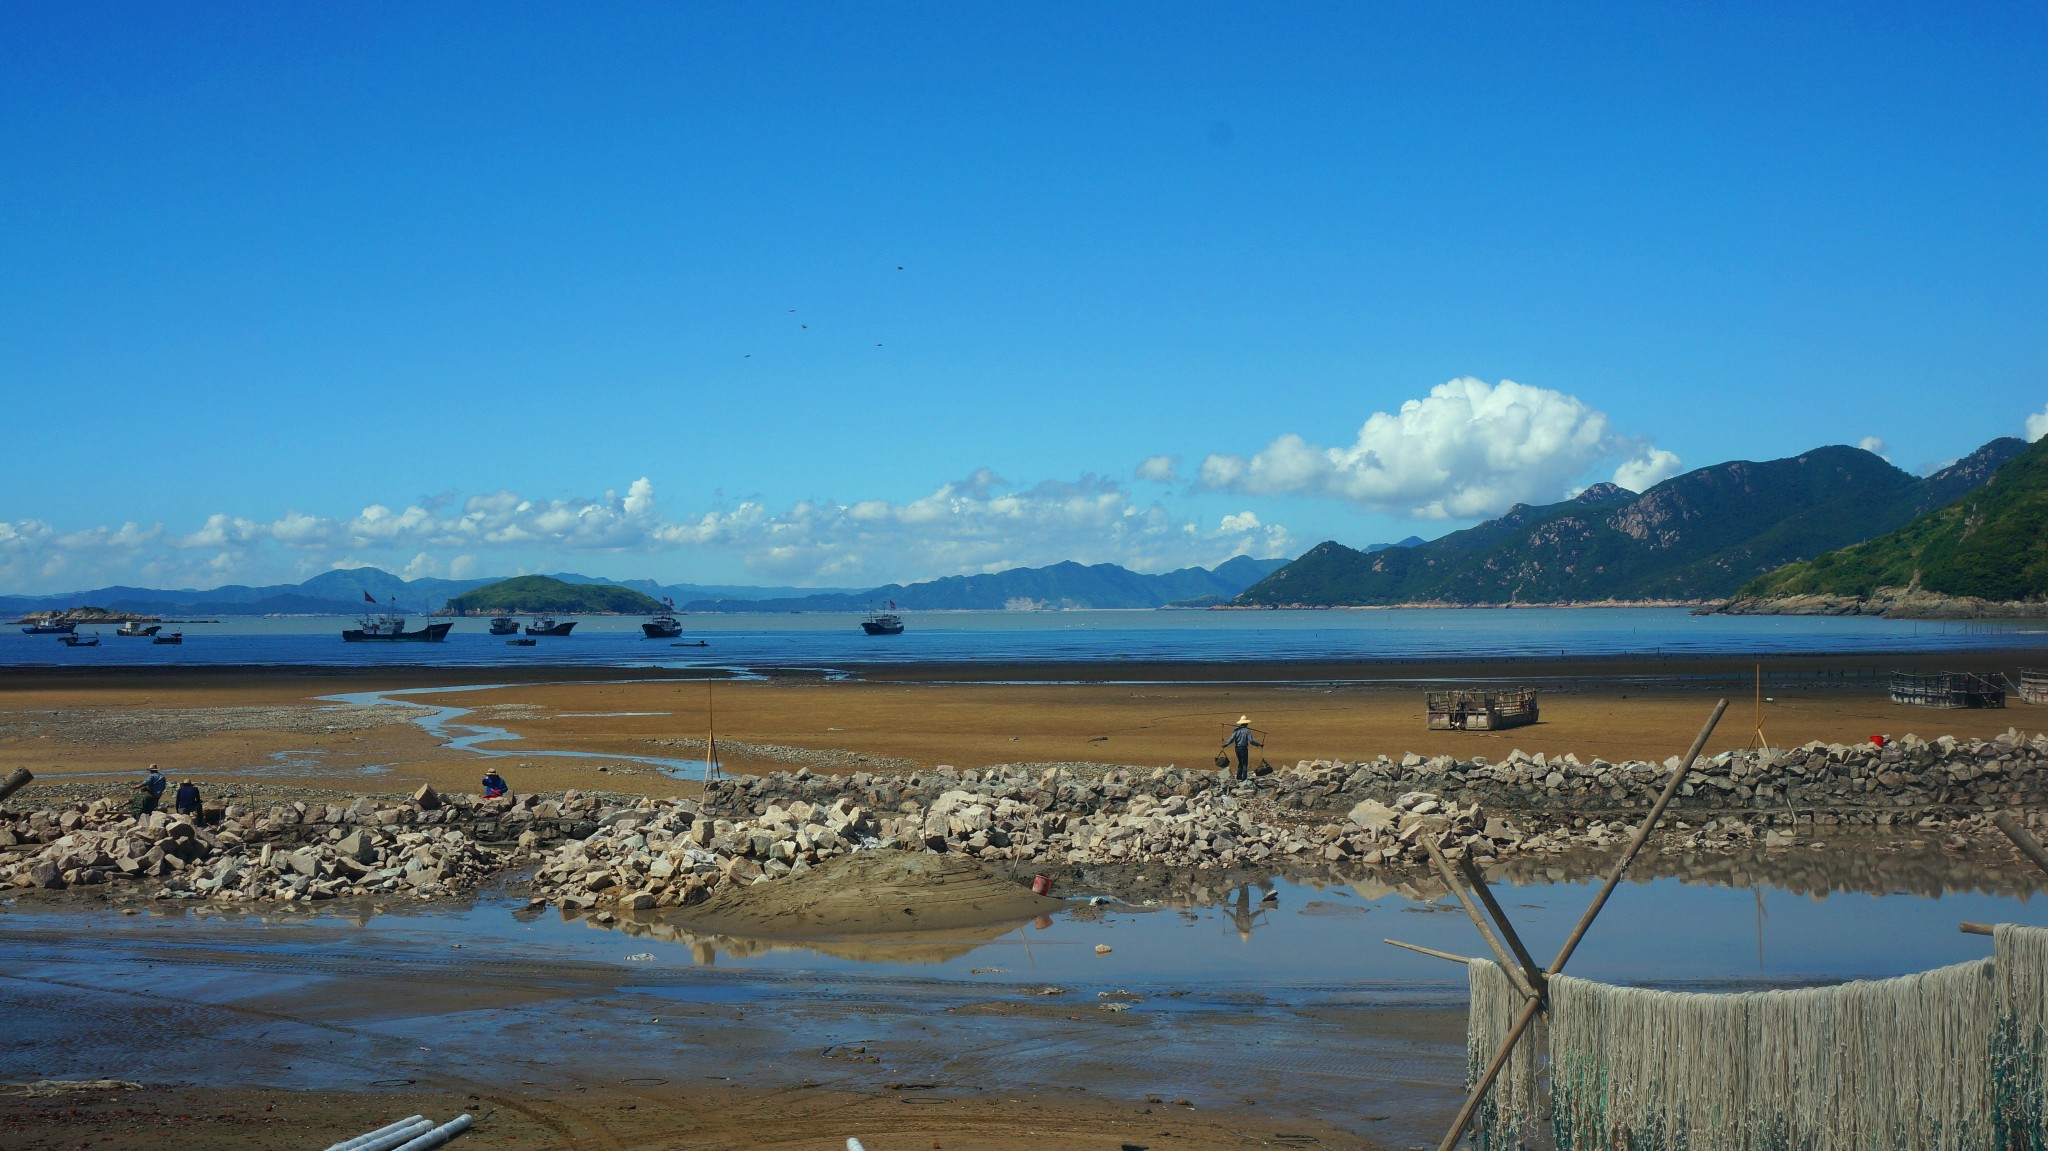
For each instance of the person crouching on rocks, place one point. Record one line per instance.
(494, 785)
(187, 800)
(1240, 737)
(149, 792)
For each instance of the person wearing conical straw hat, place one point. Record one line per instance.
(1240, 737)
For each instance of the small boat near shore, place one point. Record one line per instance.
(546, 625)
(521, 642)
(50, 627)
(173, 637)
(79, 640)
(692, 643)
(389, 627)
(504, 625)
(136, 629)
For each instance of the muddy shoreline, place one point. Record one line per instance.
(1480, 666)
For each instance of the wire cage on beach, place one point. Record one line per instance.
(2033, 685)
(1469, 710)
(1948, 689)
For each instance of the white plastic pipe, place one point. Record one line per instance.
(441, 1134)
(406, 1128)
(386, 1142)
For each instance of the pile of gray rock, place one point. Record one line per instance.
(666, 853)
(1865, 782)
(670, 853)
(284, 853)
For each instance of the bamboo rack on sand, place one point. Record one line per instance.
(1534, 999)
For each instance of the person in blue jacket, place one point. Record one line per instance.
(1240, 737)
(149, 792)
(494, 785)
(188, 798)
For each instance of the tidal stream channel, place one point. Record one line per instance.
(1216, 994)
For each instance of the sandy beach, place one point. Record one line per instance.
(277, 727)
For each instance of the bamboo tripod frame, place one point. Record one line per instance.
(1529, 979)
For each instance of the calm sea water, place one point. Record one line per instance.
(834, 640)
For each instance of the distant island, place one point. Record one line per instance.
(87, 614)
(534, 595)
(1983, 556)
(1067, 585)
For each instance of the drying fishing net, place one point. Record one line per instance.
(1894, 1064)
(1509, 1105)
(1954, 1059)
(2019, 1050)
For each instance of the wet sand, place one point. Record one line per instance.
(345, 1028)
(920, 718)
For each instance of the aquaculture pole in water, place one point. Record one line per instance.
(1571, 944)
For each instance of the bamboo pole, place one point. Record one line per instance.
(1429, 951)
(1493, 943)
(1537, 982)
(1529, 1009)
(2021, 838)
(1968, 928)
(16, 780)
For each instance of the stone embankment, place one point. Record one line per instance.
(284, 853)
(671, 853)
(1319, 816)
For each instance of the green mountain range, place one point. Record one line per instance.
(1692, 538)
(544, 594)
(1990, 545)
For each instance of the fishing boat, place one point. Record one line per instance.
(546, 625)
(884, 622)
(663, 624)
(50, 627)
(504, 625)
(521, 642)
(79, 640)
(173, 637)
(389, 626)
(135, 628)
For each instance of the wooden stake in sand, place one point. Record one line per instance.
(1571, 944)
(710, 735)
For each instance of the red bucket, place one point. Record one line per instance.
(1041, 885)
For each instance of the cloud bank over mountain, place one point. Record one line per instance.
(980, 523)
(1466, 450)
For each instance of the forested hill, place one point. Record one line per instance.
(1062, 585)
(1990, 545)
(532, 594)
(1692, 538)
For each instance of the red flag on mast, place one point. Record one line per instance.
(368, 598)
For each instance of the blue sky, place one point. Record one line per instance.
(840, 294)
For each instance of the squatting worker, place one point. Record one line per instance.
(494, 785)
(150, 791)
(1240, 737)
(187, 801)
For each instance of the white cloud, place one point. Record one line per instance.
(979, 523)
(2037, 425)
(1647, 470)
(1160, 469)
(1468, 449)
(1875, 445)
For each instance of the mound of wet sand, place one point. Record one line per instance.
(870, 893)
